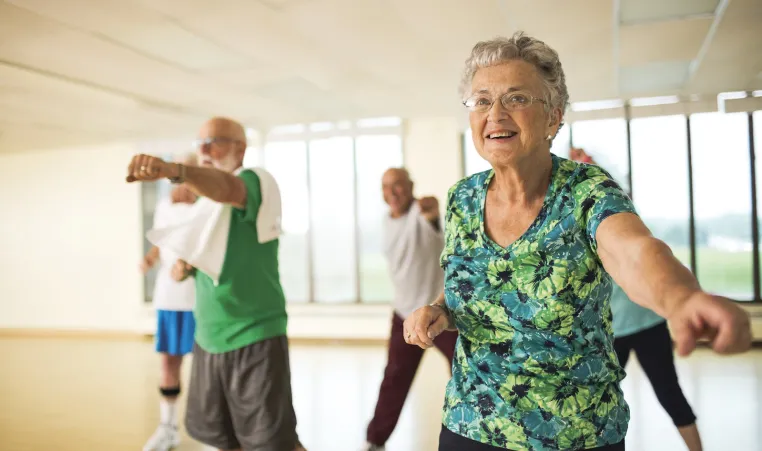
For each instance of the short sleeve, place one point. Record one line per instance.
(253, 196)
(600, 197)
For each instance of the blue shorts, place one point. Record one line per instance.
(174, 332)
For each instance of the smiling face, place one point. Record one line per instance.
(398, 191)
(222, 144)
(503, 137)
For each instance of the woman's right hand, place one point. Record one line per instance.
(424, 325)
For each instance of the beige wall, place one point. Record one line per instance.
(433, 155)
(70, 240)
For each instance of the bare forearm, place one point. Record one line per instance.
(152, 255)
(653, 277)
(216, 185)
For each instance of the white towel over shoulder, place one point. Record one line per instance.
(202, 240)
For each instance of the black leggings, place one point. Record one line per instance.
(654, 350)
(450, 441)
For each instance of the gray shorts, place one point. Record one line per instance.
(242, 398)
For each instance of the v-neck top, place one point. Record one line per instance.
(535, 366)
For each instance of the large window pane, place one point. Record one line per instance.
(375, 154)
(332, 195)
(660, 152)
(287, 162)
(606, 141)
(473, 162)
(722, 196)
(560, 145)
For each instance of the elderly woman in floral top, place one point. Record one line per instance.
(531, 249)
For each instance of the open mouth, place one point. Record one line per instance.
(502, 136)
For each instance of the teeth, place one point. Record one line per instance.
(501, 135)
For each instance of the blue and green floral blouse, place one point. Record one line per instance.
(535, 366)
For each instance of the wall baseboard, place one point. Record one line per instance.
(75, 334)
(107, 335)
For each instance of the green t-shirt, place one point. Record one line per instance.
(247, 303)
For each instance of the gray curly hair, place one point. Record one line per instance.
(525, 48)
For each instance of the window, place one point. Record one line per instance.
(150, 195)
(375, 154)
(561, 143)
(287, 162)
(329, 174)
(332, 199)
(606, 141)
(722, 199)
(757, 117)
(472, 161)
(660, 152)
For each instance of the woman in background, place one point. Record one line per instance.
(640, 330)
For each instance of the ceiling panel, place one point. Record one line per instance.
(632, 11)
(653, 78)
(135, 69)
(662, 41)
(734, 55)
(33, 41)
(139, 28)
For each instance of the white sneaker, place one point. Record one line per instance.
(372, 447)
(165, 438)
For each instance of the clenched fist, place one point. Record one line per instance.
(182, 195)
(181, 270)
(148, 168)
(724, 323)
(429, 207)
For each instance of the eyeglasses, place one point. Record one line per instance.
(511, 101)
(202, 143)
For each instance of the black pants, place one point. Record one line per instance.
(450, 441)
(654, 350)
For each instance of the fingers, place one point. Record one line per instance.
(685, 343)
(143, 167)
(423, 326)
(732, 335)
(438, 326)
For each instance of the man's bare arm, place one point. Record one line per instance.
(217, 185)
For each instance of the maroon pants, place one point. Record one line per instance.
(401, 367)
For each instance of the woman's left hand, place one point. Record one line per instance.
(720, 320)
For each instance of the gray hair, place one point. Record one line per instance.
(525, 48)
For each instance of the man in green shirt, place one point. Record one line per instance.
(240, 390)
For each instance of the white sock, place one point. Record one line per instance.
(168, 410)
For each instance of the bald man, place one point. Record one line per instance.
(174, 303)
(413, 242)
(240, 390)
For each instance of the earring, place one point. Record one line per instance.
(549, 137)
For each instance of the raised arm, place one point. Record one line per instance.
(632, 256)
(651, 276)
(214, 184)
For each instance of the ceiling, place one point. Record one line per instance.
(86, 71)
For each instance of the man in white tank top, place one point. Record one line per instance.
(413, 243)
(174, 302)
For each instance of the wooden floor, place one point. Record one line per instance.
(68, 394)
